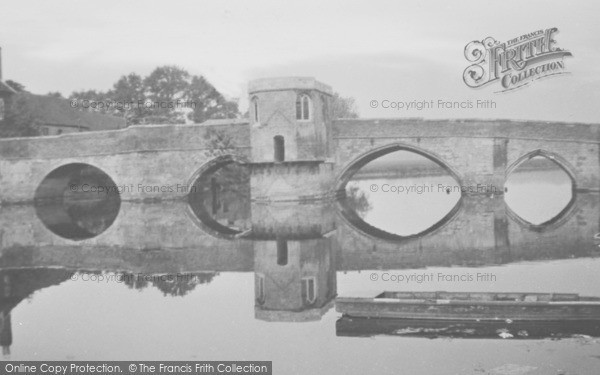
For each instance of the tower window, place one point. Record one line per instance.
(282, 252)
(279, 146)
(1, 109)
(260, 289)
(309, 290)
(255, 108)
(303, 107)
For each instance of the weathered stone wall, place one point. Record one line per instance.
(291, 181)
(580, 159)
(304, 139)
(476, 151)
(292, 220)
(146, 162)
(158, 162)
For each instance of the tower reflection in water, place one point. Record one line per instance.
(294, 262)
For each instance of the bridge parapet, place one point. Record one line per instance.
(140, 138)
(468, 128)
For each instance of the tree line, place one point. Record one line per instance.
(168, 95)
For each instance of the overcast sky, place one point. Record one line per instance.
(371, 50)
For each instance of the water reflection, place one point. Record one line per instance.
(77, 201)
(401, 193)
(18, 285)
(220, 198)
(427, 328)
(174, 285)
(301, 287)
(288, 266)
(539, 190)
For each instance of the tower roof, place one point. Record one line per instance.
(288, 83)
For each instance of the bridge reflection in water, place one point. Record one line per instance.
(297, 251)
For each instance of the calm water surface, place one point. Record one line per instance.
(88, 320)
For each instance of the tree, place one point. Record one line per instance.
(169, 284)
(343, 107)
(129, 89)
(87, 99)
(55, 94)
(357, 201)
(163, 88)
(168, 95)
(208, 102)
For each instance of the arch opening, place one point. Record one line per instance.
(539, 190)
(398, 193)
(282, 252)
(219, 197)
(279, 148)
(77, 201)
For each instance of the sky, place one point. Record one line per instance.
(369, 50)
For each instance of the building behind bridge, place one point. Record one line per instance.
(52, 115)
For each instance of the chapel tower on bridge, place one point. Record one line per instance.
(291, 138)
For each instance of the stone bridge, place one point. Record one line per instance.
(309, 158)
(155, 162)
(474, 152)
(296, 149)
(145, 159)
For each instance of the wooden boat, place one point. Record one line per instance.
(429, 328)
(473, 306)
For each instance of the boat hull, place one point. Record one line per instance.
(428, 328)
(472, 306)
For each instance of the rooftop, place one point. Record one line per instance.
(288, 83)
(55, 111)
(4, 88)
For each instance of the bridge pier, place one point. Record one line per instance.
(500, 164)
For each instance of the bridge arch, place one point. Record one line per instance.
(77, 201)
(565, 214)
(556, 158)
(216, 163)
(556, 222)
(357, 163)
(353, 220)
(198, 214)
